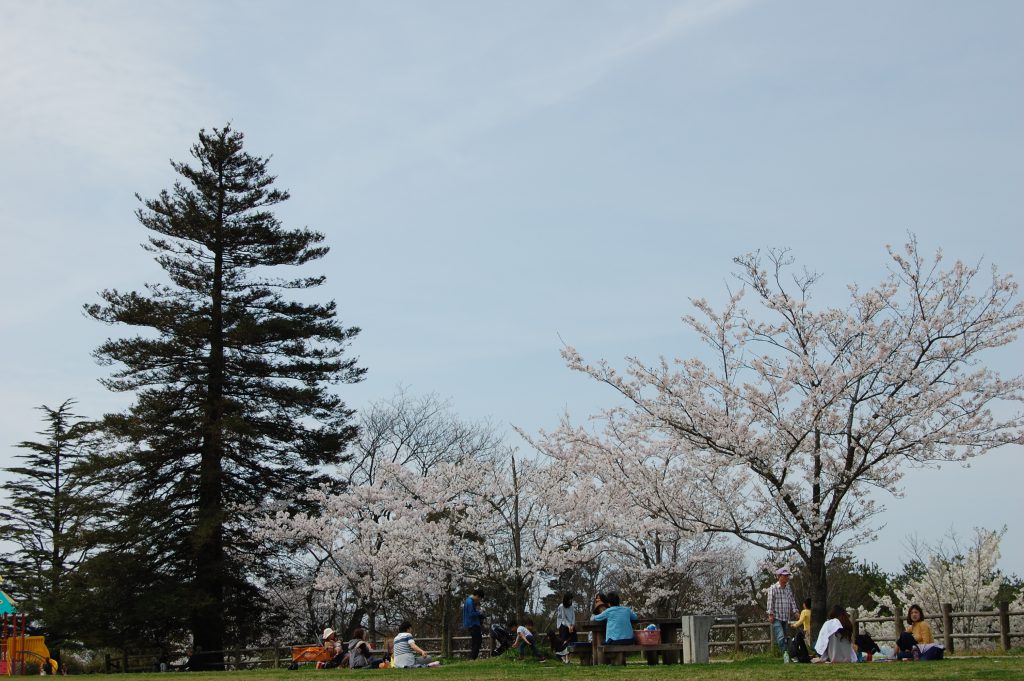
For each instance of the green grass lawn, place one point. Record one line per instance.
(753, 669)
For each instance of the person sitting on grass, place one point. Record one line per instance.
(407, 653)
(835, 640)
(619, 619)
(917, 642)
(524, 637)
(336, 651)
(360, 654)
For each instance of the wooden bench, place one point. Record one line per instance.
(616, 654)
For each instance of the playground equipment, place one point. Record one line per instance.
(6, 604)
(18, 650)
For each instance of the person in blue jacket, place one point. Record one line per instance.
(619, 619)
(471, 612)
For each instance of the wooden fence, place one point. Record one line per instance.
(737, 636)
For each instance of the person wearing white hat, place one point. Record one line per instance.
(334, 647)
(781, 607)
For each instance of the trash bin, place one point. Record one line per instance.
(694, 636)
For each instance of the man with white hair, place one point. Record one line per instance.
(781, 608)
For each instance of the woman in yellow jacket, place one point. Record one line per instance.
(918, 633)
(917, 626)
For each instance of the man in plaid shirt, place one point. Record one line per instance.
(781, 607)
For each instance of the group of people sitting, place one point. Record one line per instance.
(357, 653)
(607, 608)
(836, 642)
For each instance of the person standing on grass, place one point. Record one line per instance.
(471, 622)
(805, 621)
(781, 607)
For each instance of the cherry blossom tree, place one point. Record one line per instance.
(403, 522)
(542, 522)
(798, 412)
(962, 572)
(658, 565)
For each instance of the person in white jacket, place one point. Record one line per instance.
(835, 640)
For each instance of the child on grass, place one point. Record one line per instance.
(524, 637)
(804, 621)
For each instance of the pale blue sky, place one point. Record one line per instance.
(494, 175)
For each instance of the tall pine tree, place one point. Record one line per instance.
(233, 406)
(52, 518)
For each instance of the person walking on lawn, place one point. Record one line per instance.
(781, 608)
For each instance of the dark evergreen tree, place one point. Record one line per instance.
(233, 408)
(52, 518)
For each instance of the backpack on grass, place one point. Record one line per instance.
(797, 648)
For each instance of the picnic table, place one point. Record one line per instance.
(669, 649)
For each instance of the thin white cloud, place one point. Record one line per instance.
(557, 73)
(108, 80)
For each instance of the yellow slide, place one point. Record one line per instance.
(30, 650)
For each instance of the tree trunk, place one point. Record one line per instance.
(818, 582)
(208, 591)
(446, 624)
(356, 620)
(518, 598)
(208, 588)
(208, 603)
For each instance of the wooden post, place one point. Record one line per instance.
(106, 663)
(739, 635)
(898, 620)
(854, 612)
(446, 626)
(947, 627)
(277, 654)
(1004, 625)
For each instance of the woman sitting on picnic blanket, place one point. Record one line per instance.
(835, 640)
(360, 654)
(917, 642)
(619, 627)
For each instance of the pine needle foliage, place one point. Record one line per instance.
(232, 377)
